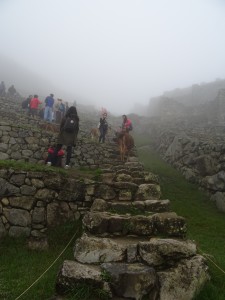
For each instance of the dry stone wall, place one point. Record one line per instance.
(22, 139)
(29, 144)
(197, 152)
(30, 202)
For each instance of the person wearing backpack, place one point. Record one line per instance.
(127, 124)
(69, 128)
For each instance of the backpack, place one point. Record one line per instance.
(25, 103)
(71, 124)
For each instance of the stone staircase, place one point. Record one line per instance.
(133, 245)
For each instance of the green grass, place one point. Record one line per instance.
(81, 172)
(20, 266)
(206, 225)
(25, 166)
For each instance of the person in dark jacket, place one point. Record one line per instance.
(103, 127)
(66, 138)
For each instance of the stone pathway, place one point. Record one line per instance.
(133, 245)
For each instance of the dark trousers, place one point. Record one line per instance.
(68, 154)
(102, 134)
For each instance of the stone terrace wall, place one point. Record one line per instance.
(30, 145)
(22, 139)
(33, 201)
(198, 153)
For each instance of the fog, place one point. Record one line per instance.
(110, 53)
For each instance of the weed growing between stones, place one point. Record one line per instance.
(106, 276)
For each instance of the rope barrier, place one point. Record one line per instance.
(207, 256)
(48, 267)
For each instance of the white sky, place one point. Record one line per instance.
(115, 53)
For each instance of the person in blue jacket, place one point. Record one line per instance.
(49, 102)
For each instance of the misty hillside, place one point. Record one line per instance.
(24, 80)
(185, 101)
(27, 81)
(197, 93)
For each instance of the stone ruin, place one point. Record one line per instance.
(133, 245)
(195, 146)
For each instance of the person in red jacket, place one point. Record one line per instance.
(127, 124)
(34, 102)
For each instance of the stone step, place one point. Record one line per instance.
(137, 177)
(106, 224)
(155, 251)
(72, 274)
(111, 278)
(132, 281)
(132, 207)
(134, 166)
(126, 191)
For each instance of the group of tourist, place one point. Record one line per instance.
(49, 110)
(69, 128)
(58, 111)
(11, 92)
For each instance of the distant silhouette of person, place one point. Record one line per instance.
(49, 102)
(59, 111)
(2, 89)
(103, 127)
(11, 91)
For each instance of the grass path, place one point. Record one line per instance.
(206, 225)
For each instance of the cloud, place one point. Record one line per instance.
(116, 53)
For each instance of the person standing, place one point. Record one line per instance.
(2, 89)
(49, 102)
(69, 129)
(12, 91)
(34, 102)
(103, 127)
(26, 104)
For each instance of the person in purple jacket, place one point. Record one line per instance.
(49, 102)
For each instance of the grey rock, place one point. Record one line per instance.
(7, 189)
(189, 276)
(163, 251)
(16, 231)
(142, 280)
(98, 250)
(28, 190)
(24, 202)
(17, 179)
(38, 215)
(18, 217)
